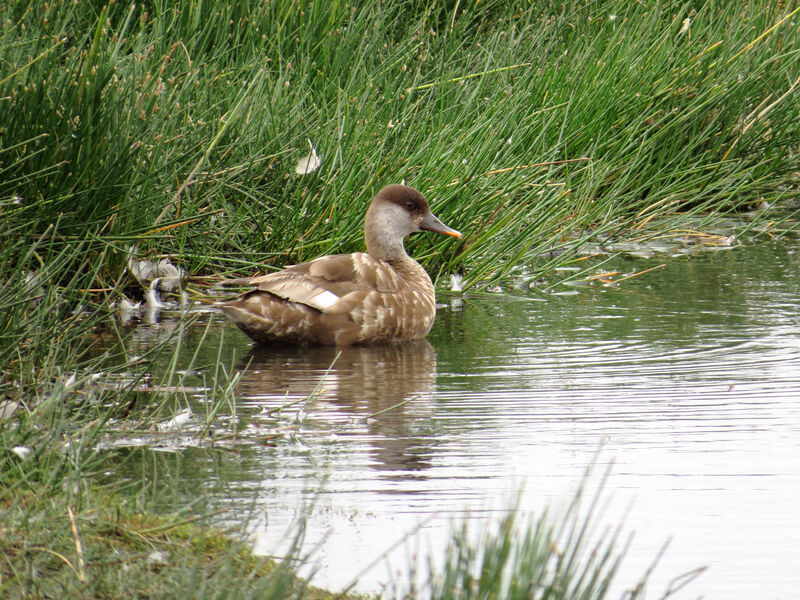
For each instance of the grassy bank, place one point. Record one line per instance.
(176, 129)
(101, 547)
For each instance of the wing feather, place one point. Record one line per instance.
(323, 282)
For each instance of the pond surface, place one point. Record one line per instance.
(688, 376)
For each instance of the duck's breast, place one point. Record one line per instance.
(407, 313)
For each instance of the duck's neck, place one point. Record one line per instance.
(382, 234)
(385, 247)
(390, 249)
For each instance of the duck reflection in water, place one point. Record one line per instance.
(388, 387)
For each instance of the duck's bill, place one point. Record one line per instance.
(431, 223)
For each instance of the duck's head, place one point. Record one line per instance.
(395, 212)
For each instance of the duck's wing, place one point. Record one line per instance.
(322, 282)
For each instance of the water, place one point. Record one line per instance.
(686, 378)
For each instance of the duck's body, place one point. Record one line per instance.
(383, 295)
(342, 299)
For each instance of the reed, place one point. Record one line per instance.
(571, 556)
(179, 125)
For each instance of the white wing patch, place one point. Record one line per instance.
(300, 290)
(323, 300)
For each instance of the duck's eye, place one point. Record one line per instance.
(409, 205)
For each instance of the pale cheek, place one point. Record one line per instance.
(397, 219)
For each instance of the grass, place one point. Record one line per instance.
(175, 128)
(533, 127)
(560, 558)
(102, 547)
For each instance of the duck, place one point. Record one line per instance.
(378, 296)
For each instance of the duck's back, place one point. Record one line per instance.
(340, 299)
